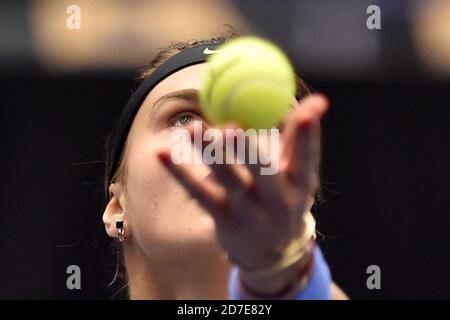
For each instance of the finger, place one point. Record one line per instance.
(303, 166)
(308, 110)
(262, 148)
(212, 146)
(306, 114)
(229, 170)
(257, 153)
(209, 194)
(303, 143)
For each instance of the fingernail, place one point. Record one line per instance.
(164, 158)
(306, 124)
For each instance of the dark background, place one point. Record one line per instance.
(385, 176)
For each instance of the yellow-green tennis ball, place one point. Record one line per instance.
(249, 81)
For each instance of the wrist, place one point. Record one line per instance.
(280, 283)
(318, 283)
(280, 259)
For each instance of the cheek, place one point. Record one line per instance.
(163, 217)
(158, 208)
(149, 184)
(149, 190)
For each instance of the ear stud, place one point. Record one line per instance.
(120, 230)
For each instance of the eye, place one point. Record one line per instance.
(184, 119)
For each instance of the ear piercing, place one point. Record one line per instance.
(120, 230)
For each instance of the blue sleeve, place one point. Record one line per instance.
(318, 287)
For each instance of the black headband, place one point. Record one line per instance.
(183, 59)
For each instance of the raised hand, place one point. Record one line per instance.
(255, 213)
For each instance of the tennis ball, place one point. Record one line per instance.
(249, 81)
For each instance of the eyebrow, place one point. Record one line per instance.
(187, 94)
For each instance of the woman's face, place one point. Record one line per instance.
(161, 218)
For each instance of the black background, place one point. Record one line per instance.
(385, 177)
(385, 158)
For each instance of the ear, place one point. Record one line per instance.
(115, 210)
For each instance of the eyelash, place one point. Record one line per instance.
(182, 114)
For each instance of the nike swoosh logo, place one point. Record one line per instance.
(208, 51)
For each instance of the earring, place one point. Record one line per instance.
(120, 230)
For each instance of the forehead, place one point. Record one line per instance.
(186, 78)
